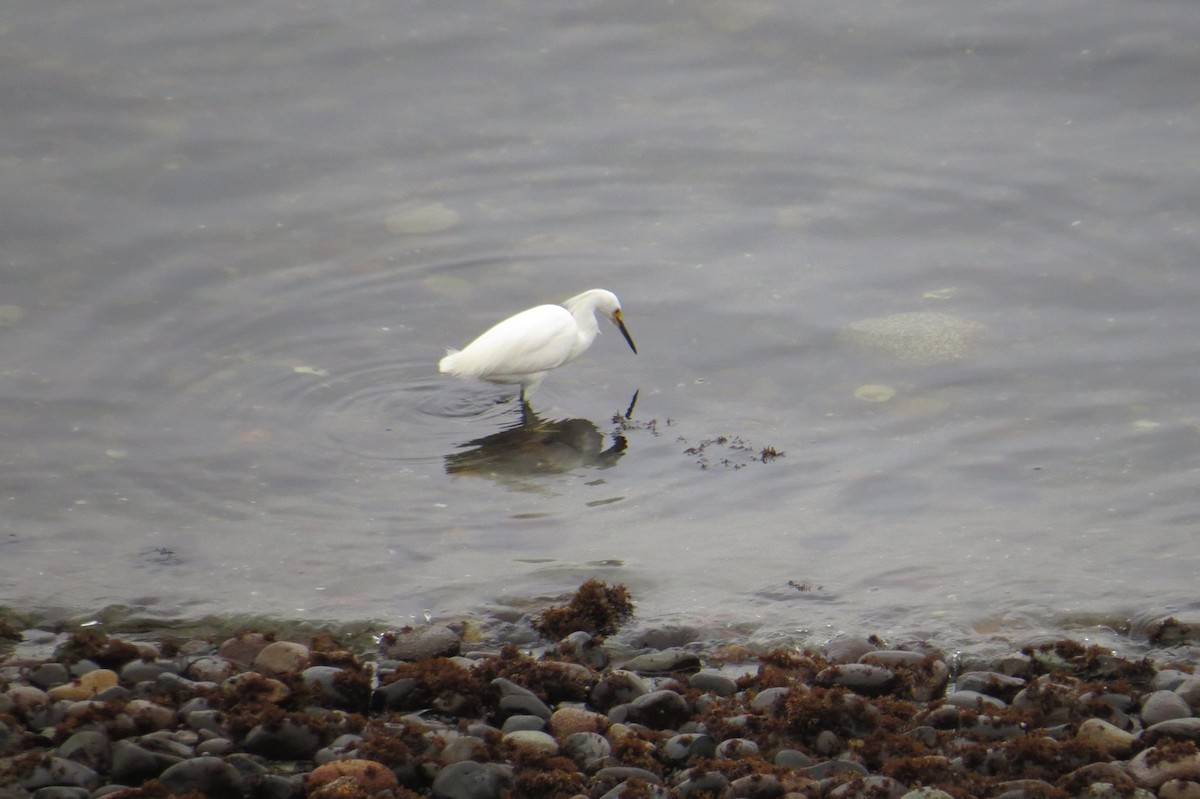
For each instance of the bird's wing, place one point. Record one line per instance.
(535, 340)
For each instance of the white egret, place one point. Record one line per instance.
(523, 348)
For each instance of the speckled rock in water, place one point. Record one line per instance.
(425, 642)
(922, 337)
(471, 780)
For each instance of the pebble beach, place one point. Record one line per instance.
(433, 712)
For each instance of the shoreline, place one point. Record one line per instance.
(432, 711)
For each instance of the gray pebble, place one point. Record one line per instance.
(200, 720)
(973, 700)
(664, 662)
(523, 704)
(704, 783)
(587, 749)
(426, 642)
(659, 710)
(1180, 729)
(59, 771)
(681, 748)
(324, 680)
(146, 671)
(989, 682)
(89, 747)
(622, 773)
(394, 695)
(211, 776)
(862, 678)
(470, 780)
(62, 792)
(830, 767)
(49, 675)
(875, 786)
(133, 765)
(736, 748)
(217, 747)
(792, 758)
(757, 786)
(847, 649)
(713, 682)
(1189, 691)
(211, 668)
(507, 687)
(464, 747)
(625, 789)
(769, 697)
(618, 687)
(284, 741)
(115, 693)
(523, 721)
(926, 792)
(1163, 705)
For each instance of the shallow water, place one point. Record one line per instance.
(238, 237)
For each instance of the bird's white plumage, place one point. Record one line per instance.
(524, 347)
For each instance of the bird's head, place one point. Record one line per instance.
(620, 323)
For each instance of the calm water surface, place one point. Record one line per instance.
(944, 260)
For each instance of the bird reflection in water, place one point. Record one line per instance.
(536, 446)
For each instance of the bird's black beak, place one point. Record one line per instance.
(620, 323)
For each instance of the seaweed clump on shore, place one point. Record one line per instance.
(596, 608)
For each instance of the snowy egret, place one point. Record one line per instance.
(523, 348)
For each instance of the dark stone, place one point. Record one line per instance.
(133, 765)
(211, 776)
(60, 771)
(89, 747)
(427, 642)
(713, 682)
(660, 710)
(284, 741)
(530, 705)
(470, 780)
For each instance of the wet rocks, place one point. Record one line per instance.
(259, 717)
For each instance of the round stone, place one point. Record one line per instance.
(567, 721)
(371, 776)
(470, 780)
(282, 657)
(210, 776)
(659, 709)
(1163, 706)
(424, 642)
(533, 739)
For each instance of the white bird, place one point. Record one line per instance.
(524, 348)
